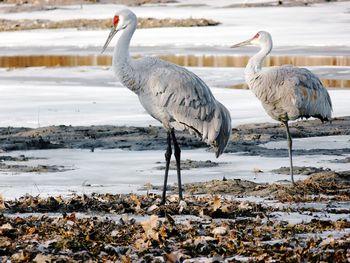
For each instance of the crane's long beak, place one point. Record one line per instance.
(111, 35)
(244, 43)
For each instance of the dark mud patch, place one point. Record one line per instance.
(20, 158)
(81, 137)
(303, 170)
(188, 164)
(246, 139)
(344, 160)
(18, 168)
(232, 187)
(13, 164)
(318, 187)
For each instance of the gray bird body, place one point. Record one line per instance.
(289, 93)
(173, 95)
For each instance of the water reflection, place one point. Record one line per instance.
(183, 60)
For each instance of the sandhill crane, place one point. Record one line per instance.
(286, 92)
(171, 94)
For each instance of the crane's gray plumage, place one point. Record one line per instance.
(171, 94)
(179, 99)
(286, 92)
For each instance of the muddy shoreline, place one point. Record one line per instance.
(245, 139)
(215, 223)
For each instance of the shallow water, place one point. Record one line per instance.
(182, 60)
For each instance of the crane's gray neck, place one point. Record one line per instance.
(255, 63)
(122, 63)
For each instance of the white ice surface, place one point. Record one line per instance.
(36, 97)
(221, 3)
(119, 171)
(317, 25)
(297, 218)
(327, 142)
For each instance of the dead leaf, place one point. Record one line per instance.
(137, 202)
(183, 205)
(2, 202)
(141, 244)
(162, 232)
(150, 227)
(219, 231)
(202, 239)
(20, 257)
(126, 259)
(31, 230)
(327, 241)
(70, 217)
(216, 203)
(152, 208)
(244, 206)
(40, 258)
(6, 226)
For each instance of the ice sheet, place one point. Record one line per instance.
(326, 142)
(36, 97)
(126, 171)
(298, 218)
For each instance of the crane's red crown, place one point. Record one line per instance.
(257, 35)
(115, 20)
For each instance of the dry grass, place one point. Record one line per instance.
(26, 24)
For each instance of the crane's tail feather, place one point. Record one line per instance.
(215, 129)
(224, 129)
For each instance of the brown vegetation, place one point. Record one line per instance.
(27, 24)
(220, 228)
(75, 2)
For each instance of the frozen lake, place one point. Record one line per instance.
(37, 97)
(120, 171)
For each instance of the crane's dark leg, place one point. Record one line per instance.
(289, 138)
(167, 162)
(177, 153)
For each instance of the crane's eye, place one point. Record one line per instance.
(257, 35)
(115, 21)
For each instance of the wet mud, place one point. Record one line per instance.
(245, 139)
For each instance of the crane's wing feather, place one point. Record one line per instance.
(182, 100)
(291, 92)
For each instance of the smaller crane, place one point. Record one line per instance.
(286, 92)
